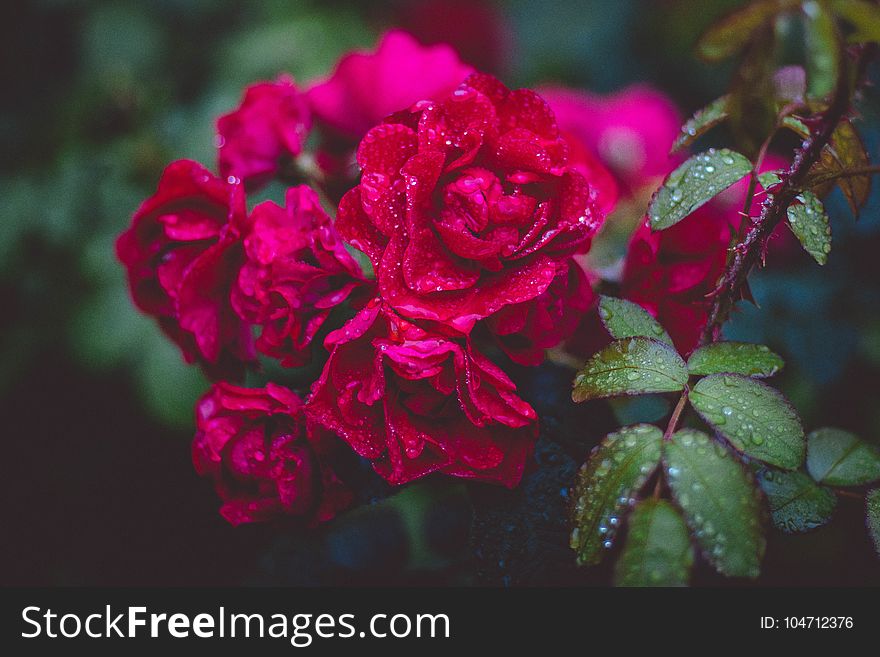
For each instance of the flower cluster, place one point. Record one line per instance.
(473, 205)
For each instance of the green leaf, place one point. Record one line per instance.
(631, 367)
(606, 484)
(864, 17)
(797, 503)
(823, 49)
(809, 223)
(701, 122)
(769, 178)
(796, 125)
(839, 458)
(658, 550)
(719, 501)
(694, 183)
(872, 502)
(754, 417)
(735, 358)
(729, 35)
(625, 319)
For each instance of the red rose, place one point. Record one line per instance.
(468, 205)
(181, 254)
(296, 271)
(415, 402)
(367, 87)
(670, 272)
(253, 443)
(272, 121)
(525, 330)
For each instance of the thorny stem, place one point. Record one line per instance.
(745, 215)
(751, 245)
(751, 249)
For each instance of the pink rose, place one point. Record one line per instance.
(525, 330)
(415, 401)
(253, 443)
(181, 255)
(631, 131)
(468, 204)
(272, 122)
(296, 270)
(367, 87)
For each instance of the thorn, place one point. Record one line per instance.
(719, 289)
(765, 246)
(746, 294)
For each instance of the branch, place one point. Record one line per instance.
(751, 250)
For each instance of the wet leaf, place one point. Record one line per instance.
(809, 223)
(719, 501)
(849, 152)
(797, 503)
(839, 458)
(631, 367)
(872, 502)
(769, 178)
(735, 358)
(658, 549)
(796, 126)
(844, 153)
(694, 183)
(701, 122)
(822, 49)
(755, 418)
(730, 35)
(606, 484)
(625, 319)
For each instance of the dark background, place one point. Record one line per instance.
(96, 407)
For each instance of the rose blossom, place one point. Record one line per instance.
(415, 401)
(631, 131)
(670, 272)
(181, 255)
(366, 87)
(254, 445)
(296, 271)
(467, 205)
(272, 121)
(525, 330)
